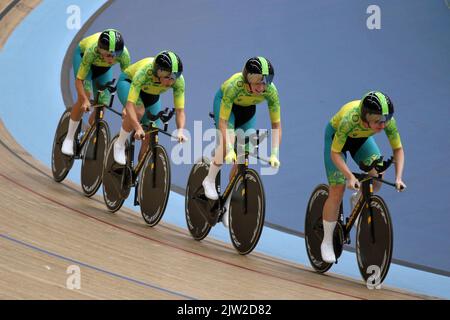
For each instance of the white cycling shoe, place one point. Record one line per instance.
(327, 251)
(210, 189)
(119, 154)
(67, 147)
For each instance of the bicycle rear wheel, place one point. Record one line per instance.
(116, 178)
(314, 230)
(154, 185)
(374, 254)
(197, 224)
(94, 154)
(246, 221)
(61, 164)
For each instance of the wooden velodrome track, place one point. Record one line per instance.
(46, 227)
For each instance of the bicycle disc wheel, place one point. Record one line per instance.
(246, 221)
(198, 226)
(314, 230)
(115, 181)
(374, 254)
(94, 154)
(154, 185)
(61, 164)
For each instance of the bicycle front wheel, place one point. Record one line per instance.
(247, 211)
(94, 154)
(154, 185)
(374, 242)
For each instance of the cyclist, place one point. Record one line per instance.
(351, 129)
(235, 108)
(92, 62)
(139, 89)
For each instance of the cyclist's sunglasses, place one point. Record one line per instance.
(266, 79)
(171, 76)
(380, 119)
(109, 54)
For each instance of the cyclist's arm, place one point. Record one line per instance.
(180, 118)
(230, 93)
(83, 71)
(399, 158)
(125, 59)
(223, 126)
(133, 95)
(340, 137)
(276, 136)
(80, 90)
(130, 107)
(273, 103)
(178, 101)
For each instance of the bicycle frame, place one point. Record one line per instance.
(84, 139)
(240, 172)
(154, 141)
(241, 169)
(362, 203)
(367, 191)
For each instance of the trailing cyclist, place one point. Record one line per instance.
(139, 89)
(92, 61)
(351, 129)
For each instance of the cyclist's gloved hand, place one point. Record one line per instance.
(230, 157)
(353, 183)
(180, 136)
(139, 134)
(273, 160)
(86, 105)
(400, 185)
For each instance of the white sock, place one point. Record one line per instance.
(328, 230)
(73, 125)
(123, 136)
(213, 171)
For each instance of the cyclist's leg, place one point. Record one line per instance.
(336, 181)
(368, 153)
(209, 183)
(76, 113)
(244, 123)
(123, 88)
(153, 109)
(100, 76)
(219, 154)
(76, 62)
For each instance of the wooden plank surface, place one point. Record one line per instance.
(44, 224)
